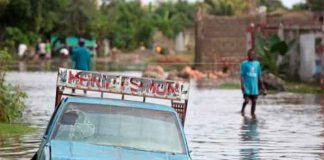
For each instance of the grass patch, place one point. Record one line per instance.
(14, 129)
(304, 88)
(229, 86)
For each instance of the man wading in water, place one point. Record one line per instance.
(82, 58)
(250, 80)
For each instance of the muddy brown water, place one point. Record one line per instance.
(288, 126)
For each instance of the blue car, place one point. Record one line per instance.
(97, 128)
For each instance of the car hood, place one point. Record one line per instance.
(69, 150)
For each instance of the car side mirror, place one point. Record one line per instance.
(69, 118)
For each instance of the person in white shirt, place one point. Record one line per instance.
(22, 50)
(41, 50)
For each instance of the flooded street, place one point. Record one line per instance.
(288, 126)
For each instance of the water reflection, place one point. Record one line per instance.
(39, 65)
(321, 103)
(54, 64)
(18, 147)
(22, 66)
(249, 139)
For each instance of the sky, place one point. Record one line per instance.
(288, 3)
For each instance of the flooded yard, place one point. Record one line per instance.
(288, 126)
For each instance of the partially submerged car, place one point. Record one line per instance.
(83, 127)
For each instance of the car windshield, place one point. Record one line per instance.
(128, 127)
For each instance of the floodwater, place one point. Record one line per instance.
(287, 126)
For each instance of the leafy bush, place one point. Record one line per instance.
(13, 36)
(219, 8)
(11, 97)
(11, 102)
(269, 49)
(165, 51)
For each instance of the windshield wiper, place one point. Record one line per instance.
(138, 149)
(147, 150)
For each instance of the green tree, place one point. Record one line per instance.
(24, 20)
(316, 5)
(299, 7)
(271, 5)
(13, 36)
(240, 7)
(18, 13)
(99, 26)
(11, 97)
(312, 5)
(3, 5)
(50, 15)
(219, 8)
(76, 18)
(188, 9)
(128, 24)
(269, 49)
(226, 7)
(173, 18)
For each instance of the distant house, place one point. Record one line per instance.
(221, 39)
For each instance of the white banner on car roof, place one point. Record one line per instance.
(101, 82)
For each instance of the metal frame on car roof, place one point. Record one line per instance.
(175, 91)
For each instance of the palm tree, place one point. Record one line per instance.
(128, 24)
(226, 7)
(271, 5)
(219, 8)
(174, 18)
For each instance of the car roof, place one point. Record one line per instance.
(122, 103)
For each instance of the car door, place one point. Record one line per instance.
(39, 154)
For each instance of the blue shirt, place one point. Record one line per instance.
(82, 58)
(251, 72)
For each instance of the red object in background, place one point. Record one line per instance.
(250, 37)
(319, 49)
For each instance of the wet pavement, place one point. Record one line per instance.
(287, 126)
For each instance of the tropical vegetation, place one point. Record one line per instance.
(312, 5)
(269, 49)
(227, 7)
(11, 97)
(271, 5)
(126, 24)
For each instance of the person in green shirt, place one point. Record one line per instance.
(81, 57)
(48, 49)
(250, 80)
